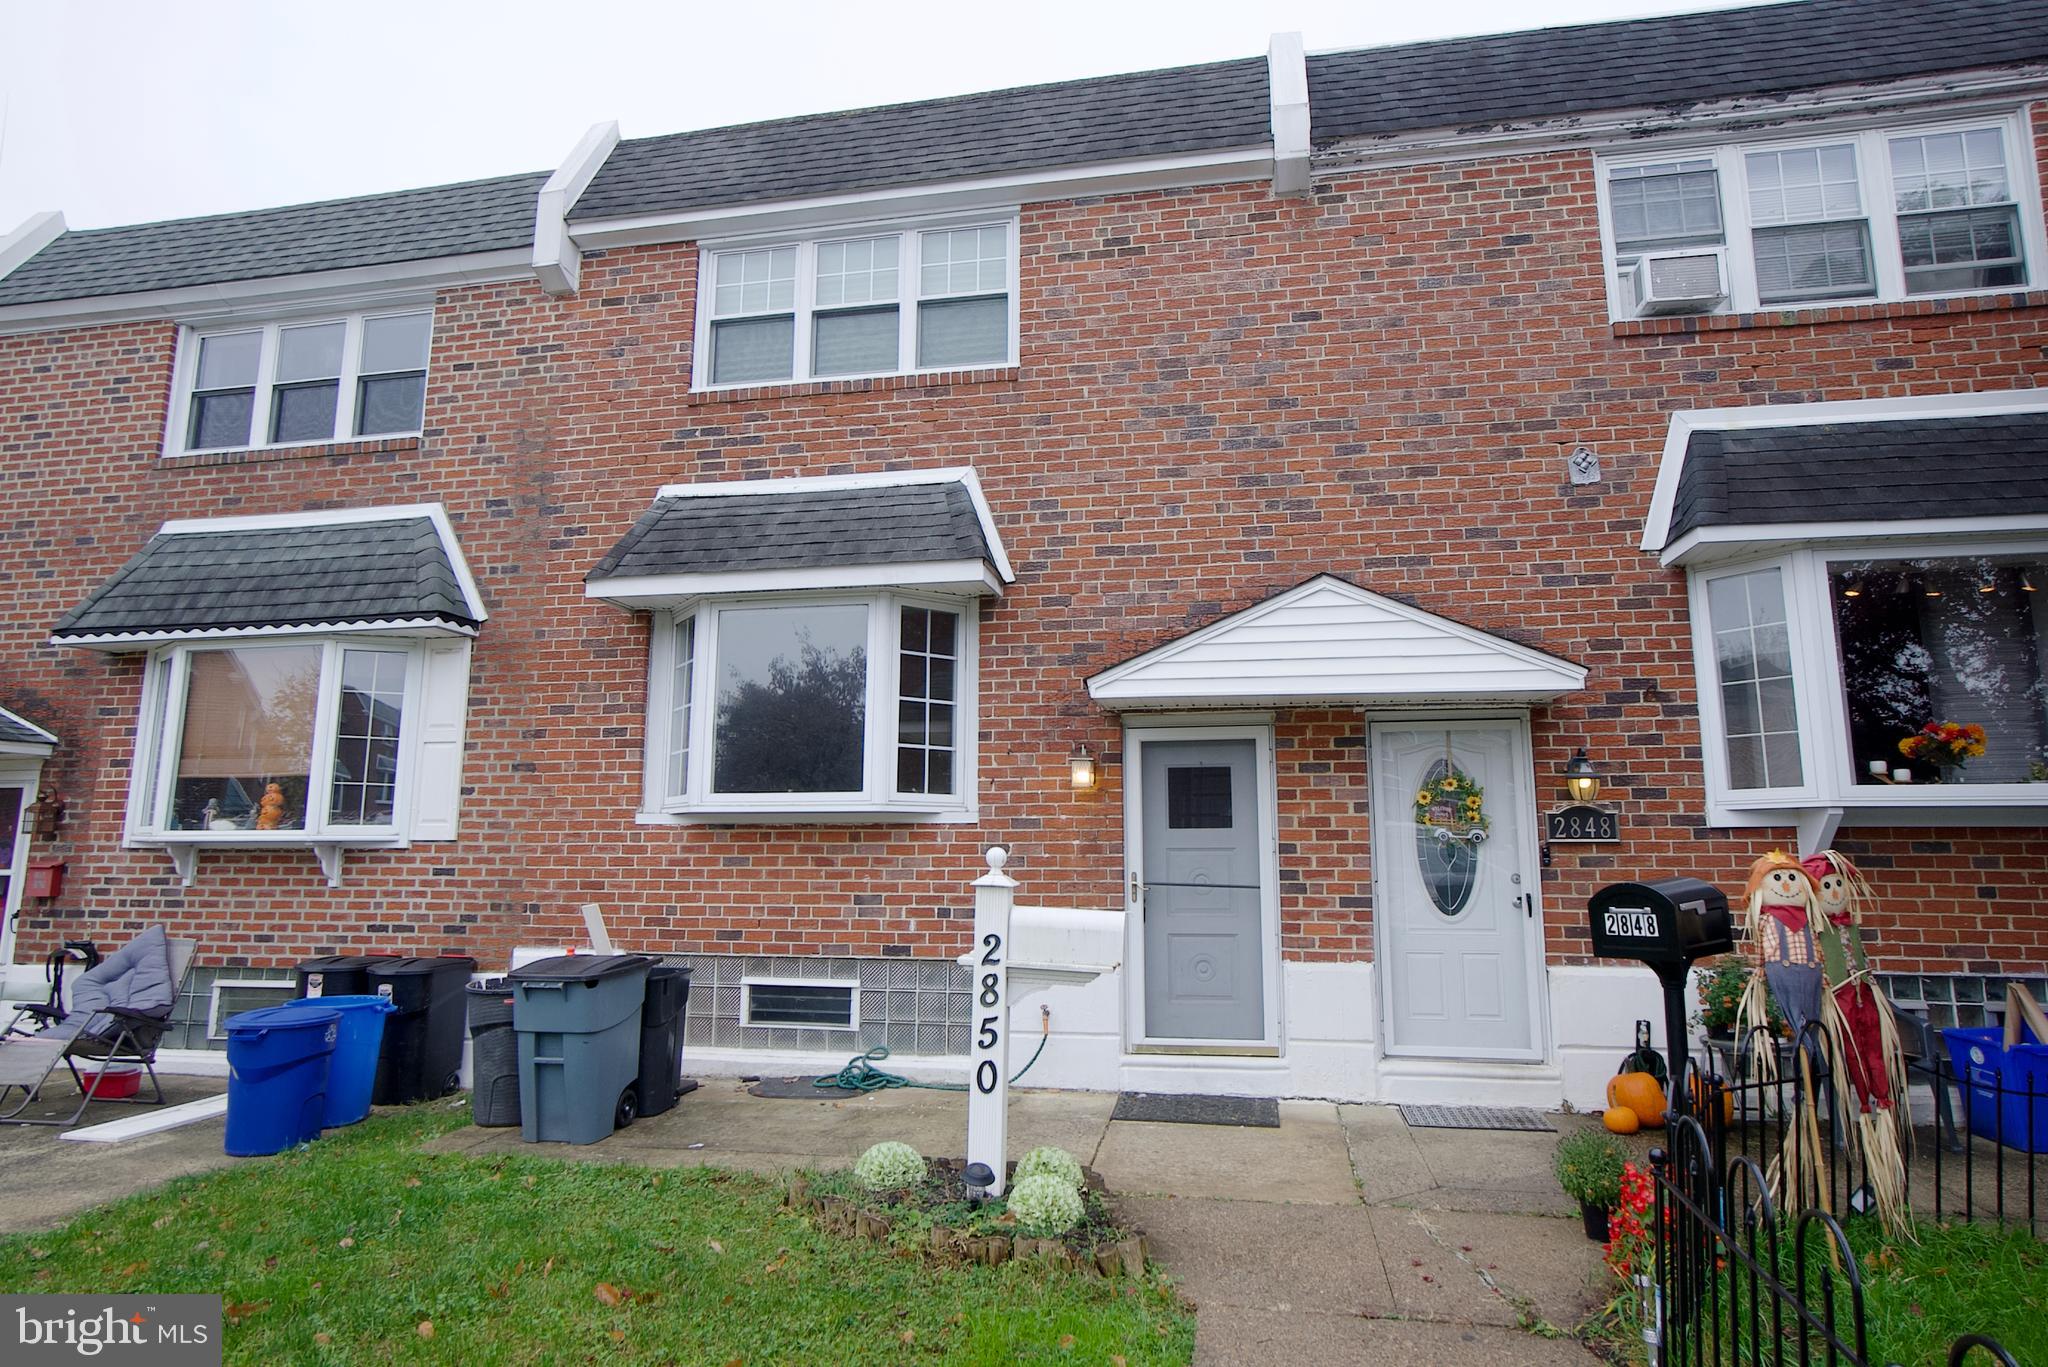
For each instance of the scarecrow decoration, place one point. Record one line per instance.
(1862, 1032)
(1782, 903)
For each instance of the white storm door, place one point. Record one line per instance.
(1455, 906)
(14, 800)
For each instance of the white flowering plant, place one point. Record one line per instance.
(1045, 1206)
(889, 1166)
(1053, 1161)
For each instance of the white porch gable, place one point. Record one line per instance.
(1330, 642)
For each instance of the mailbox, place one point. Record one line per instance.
(1673, 920)
(45, 878)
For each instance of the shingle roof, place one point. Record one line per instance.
(1113, 118)
(1665, 62)
(1978, 466)
(194, 582)
(16, 729)
(898, 524)
(410, 225)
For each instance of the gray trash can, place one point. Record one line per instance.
(493, 1054)
(578, 1018)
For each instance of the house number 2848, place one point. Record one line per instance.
(986, 1074)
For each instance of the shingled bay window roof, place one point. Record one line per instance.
(19, 735)
(353, 570)
(923, 528)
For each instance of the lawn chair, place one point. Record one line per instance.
(119, 1012)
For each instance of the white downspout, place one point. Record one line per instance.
(1287, 90)
(556, 257)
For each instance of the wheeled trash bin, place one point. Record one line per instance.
(340, 975)
(358, 1044)
(578, 1018)
(661, 1037)
(422, 1056)
(493, 1054)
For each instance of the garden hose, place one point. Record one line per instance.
(861, 1075)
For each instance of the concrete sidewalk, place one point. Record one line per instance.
(45, 1179)
(1341, 1237)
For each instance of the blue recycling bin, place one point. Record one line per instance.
(277, 1076)
(352, 1076)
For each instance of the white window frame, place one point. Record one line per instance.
(1826, 757)
(159, 731)
(1874, 183)
(185, 374)
(879, 799)
(851, 987)
(909, 286)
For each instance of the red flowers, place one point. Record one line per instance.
(1628, 1244)
(1944, 742)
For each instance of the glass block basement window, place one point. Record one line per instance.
(1968, 1000)
(813, 1006)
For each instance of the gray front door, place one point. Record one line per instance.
(1203, 900)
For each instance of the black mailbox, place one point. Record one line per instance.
(1673, 920)
(1667, 924)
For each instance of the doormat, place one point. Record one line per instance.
(1171, 1109)
(1474, 1118)
(798, 1089)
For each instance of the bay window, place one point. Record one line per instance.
(301, 382)
(860, 304)
(813, 704)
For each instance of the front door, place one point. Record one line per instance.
(14, 799)
(1460, 937)
(1202, 898)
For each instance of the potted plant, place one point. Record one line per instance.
(1589, 1169)
(1721, 989)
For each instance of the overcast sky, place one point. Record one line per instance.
(126, 111)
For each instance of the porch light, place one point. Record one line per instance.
(1581, 779)
(1081, 769)
(1852, 589)
(2026, 583)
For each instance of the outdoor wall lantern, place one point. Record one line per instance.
(1581, 778)
(1081, 769)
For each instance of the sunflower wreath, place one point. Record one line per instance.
(1454, 803)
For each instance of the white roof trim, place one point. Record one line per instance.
(1657, 525)
(344, 517)
(1720, 543)
(881, 479)
(670, 590)
(1287, 96)
(556, 259)
(45, 732)
(35, 232)
(993, 192)
(236, 298)
(143, 640)
(1329, 642)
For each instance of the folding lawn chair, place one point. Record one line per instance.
(119, 1012)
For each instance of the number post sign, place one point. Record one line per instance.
(988, 1056)
(1581, 823)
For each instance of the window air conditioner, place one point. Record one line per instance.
(1679, 282)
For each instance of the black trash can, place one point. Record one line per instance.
(422, 1056)
(661, 1037)
(340, 975)
(493, 1054)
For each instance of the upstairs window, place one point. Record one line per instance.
(857, 305)
(302, 382)
(1876, 215)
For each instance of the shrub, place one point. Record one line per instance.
(1589, 1167)
(1045, 1206)
(889, 1166)
(1051, 1162)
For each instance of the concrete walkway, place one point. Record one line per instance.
(1341, 1237)
(45, 1180)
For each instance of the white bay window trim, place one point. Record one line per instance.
(178, 431)
(1878, 211)
(878, 799)
(1833, 793)
(804, 308)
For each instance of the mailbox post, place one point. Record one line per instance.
(1666, 924)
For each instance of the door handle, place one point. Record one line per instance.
(1527, 903)
(1137, 893)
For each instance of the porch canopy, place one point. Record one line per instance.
(387, 569)
(925, 529)
(20, 736)
(1330, 643)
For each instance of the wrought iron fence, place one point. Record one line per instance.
(1752, 1264)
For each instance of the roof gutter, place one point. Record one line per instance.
(557, 259)
(1287, 94)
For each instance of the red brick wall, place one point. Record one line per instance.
(1220, 394)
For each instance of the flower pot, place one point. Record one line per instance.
(1595, 1218)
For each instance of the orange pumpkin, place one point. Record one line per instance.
(1641, 1094)
(1621, 1120)
(1699, 1102)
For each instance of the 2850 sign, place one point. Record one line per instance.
(990, 998)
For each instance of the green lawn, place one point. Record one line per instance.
(362, 1248)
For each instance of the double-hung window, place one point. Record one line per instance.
(859, 304)
(1878, 214)
(817, 704)
(301, 382)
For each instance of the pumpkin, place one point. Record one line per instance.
(1699, 1102)
(1641, 1094)
(1621, 1120)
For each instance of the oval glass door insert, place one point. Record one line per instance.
(1449, 861)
